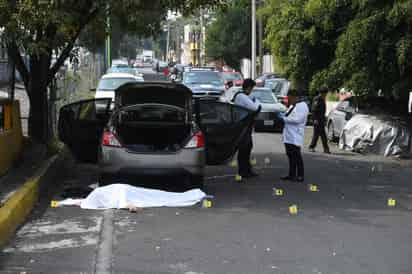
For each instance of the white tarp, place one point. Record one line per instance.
(124, 196)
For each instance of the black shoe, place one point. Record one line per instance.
(311, 149)
(300, 179)
(327, 152)
(287, 178)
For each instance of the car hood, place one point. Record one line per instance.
(205, 87)
(153, 93)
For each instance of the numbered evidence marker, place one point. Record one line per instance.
(293, 209)
(238, 178)
(313, 188)
(54, 203)
(233, 163)
(253, 161)
(277, 191)
(206, 203)
(391, 202)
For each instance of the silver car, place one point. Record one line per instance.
(154, 129)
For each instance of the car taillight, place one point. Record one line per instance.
(286, 100)
(110, 140)
(197, 141)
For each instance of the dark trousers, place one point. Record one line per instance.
(295, 161)
(243, 155)
(319, 130)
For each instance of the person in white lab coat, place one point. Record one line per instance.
(243, 99)
(295, 120)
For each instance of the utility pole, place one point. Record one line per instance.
(108, 38)
(260, 39)
(253, 65)
(168, 40)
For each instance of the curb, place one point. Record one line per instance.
(18, 207)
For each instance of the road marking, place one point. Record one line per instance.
(105, 249)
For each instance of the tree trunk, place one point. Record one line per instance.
(37, 92)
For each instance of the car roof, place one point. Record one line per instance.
(119, 75)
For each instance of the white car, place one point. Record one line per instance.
(111, 81)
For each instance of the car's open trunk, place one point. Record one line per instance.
(153, 128)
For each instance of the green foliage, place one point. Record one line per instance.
(362, 45)
(228, 38)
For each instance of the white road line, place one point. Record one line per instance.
(105, 249)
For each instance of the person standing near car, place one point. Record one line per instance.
(318, 117)
(294, 120)
(243, 99)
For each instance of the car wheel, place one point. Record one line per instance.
(331, 133)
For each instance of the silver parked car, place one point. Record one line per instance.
(154, 129)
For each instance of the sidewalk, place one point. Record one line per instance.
(22, 186)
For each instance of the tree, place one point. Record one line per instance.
(228, 37)
(365, 46)
(47, 30)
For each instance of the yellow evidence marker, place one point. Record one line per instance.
(238, 178)
(54, 203)
(293, 209)
(391, 202)
(207, 203)
(233, 163)
(278, 191)
(313, 188)
(253, 161)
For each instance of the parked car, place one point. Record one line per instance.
(267, 119)
(120, 63)
(128, 70)
(204, 83)
(235, 77)
(153, 130)
(280, 87)
(110, 82)
(260, 81)
(339, 116)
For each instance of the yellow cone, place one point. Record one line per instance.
(238, 178)
(293, 209)
(391, 202)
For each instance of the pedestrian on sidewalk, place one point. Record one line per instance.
(243, 99)
(294, 120)
(319, 121)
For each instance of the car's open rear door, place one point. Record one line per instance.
(81, 125)
(223, 125)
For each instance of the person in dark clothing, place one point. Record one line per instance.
(243, 99)
(319, 120)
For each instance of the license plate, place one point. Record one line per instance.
(268, 122)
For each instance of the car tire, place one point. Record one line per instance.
(331, 133)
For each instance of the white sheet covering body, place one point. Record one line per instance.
(122, 196)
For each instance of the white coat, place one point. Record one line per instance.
(295, 122)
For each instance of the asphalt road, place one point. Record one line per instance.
(346, 227)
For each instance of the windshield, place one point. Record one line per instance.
(122, 70)
(204, 77)
(264, 96)
(277, 86)
(231, 76)
(113, 83)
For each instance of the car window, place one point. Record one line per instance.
(278, 87)
(343, 105)
(264, 96)
(231, 76)
(122, 70)
(204, 77)
(113, 83)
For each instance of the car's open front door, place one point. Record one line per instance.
(81, 125)
(223, 125)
